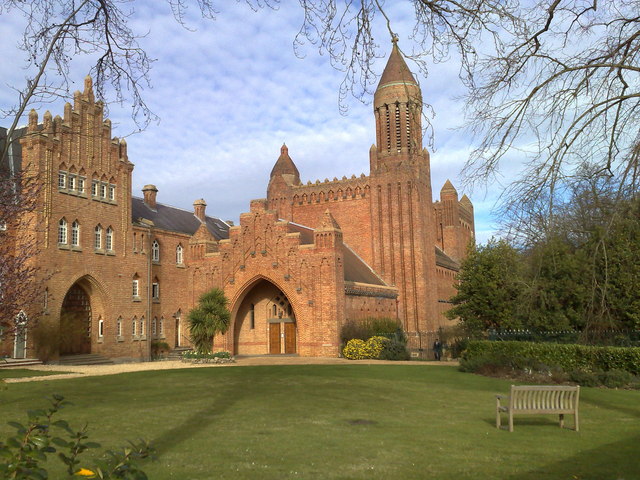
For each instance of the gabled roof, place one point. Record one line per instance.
(176, 219)
(306, 233)
(356, 270)
(444, 260)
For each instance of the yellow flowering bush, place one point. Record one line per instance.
(357, 349)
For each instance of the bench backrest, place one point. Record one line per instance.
(544, 397)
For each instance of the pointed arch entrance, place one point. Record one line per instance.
(80, 315)
(265, 322)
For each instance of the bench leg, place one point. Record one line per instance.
(561, 420)
(575, 419)
(510, 421)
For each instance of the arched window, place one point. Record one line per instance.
(134, 326)
(62, 231)
(155, 289)
(154, 326)
(100, 328)
(161, 328)
(179, 255)
(135, 284)
(108, 239)
(119, 327)
(97, 237)
(75, 234)
(142, 329)
(155, 251)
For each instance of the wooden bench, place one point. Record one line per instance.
(540, 400)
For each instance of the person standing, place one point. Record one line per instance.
(437, 349)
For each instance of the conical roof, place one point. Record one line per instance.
(285, 166)
(396, 70)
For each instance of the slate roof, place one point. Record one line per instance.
(444, 260)
(176, 219)
(306, 233)
(356, 270)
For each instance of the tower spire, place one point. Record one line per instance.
(398, 108)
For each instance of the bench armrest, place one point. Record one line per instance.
(501, 397)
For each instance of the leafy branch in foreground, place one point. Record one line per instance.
(23, 454)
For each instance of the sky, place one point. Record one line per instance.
(229, 92)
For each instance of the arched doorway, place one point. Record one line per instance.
(265, 322)
(75, 322)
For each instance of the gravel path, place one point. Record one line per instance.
(97, 370)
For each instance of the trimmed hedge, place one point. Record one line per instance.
(569, 357)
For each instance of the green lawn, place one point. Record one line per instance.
(330, 422)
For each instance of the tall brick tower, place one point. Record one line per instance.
(401, 204)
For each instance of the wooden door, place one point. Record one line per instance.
(289, 338)
(274, 338)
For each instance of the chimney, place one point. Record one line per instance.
(199, 207)
(150, 192)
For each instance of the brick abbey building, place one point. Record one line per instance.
(120, 271)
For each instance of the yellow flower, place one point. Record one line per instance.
(85, 472)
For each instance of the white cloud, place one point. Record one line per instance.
(231, 91)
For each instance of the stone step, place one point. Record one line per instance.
(176, 353)
(18, 362)
(84, 359)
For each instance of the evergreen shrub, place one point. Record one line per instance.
(569, 357)
(395, 350)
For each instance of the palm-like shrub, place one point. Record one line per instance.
(210, 317)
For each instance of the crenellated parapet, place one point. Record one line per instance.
(331, 191)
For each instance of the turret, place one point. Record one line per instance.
(328, 234)
(285, 168)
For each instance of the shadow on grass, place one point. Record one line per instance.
(627, 410)
(618, 460)
(199, 420)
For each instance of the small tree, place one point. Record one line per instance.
(211, 316)
(489, 288)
